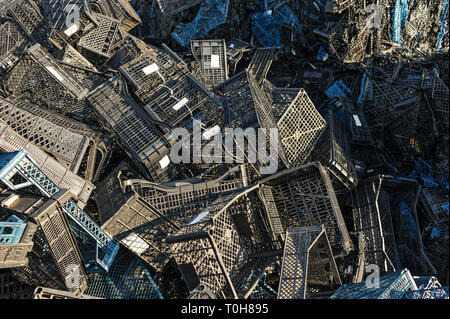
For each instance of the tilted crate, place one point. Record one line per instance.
(133, 128)
(304, 196)
(128, 278)
(10, 141)
(182, 203)
(333, 151)
(260, 64)
(97, 151)
(213, 247)
(308, 265)
(55, 258)
(132, 221)
(211, 54)
(69, 19)
(120, 10)
(373, 222)
(19, 166)
(14, 42)
(235, 52)
(14, 250)
(39, 78)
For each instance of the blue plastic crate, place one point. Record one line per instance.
(212, 13)
(11, 230)
(338, 89)
(399, 17)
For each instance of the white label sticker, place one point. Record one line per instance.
(55, 74)
(231, 45)
(71, 30)
(357, 121)
(152, 68)
(215, 64)
(164, 162)
(199, 218)
(180, 104)
(135, 243)
(211, 132)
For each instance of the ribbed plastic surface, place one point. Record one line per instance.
(303, 196)
(213, 60)
(305, 269)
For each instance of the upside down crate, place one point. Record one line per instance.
(39, 78)
(11, 288)
(133, 129)
(10, 141)
(128, 278)
(391, 286)
(333, 151)
(308, 265)
(181, 203)
(54, 259)
(18, 170)
(303, 196)
(213, 61)
(373, 222)
(260, 64)
(49, 293)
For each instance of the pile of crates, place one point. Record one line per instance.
(100, 100)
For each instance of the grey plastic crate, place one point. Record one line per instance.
(39, 78)
(28, 14)
(308, 265)
(153, 68)
(260, 64)
(179, 99)
(333, 151)
(13, 44)
(402, 197)
(208, 250)
(133, 129)
(68, 147)
(54, 258)
(102, 39)
(130, 49)
(179, 203)
(211, 54)
(304, 196)
(373, 222)
(10, 141)
(236, 49)
(240, 106)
